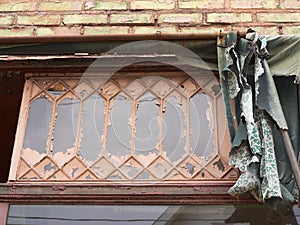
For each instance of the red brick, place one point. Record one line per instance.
(18, 6)
(105, 5)
(152, 4)
(250, 4)
(61, 31)
(15, 32)
(60, 6)
(181, 18)
(85, 19)
(278, 17)
(133, 18)
(200, 4)
(41, 19)
(6, 20)
(229, 17)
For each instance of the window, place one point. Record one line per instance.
(140, 129)
(150, 215)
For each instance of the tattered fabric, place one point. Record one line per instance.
(258, 115)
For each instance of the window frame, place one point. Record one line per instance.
(214, 192)
(25, 105)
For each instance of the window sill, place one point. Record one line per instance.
(95, 193)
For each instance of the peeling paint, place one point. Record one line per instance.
(134, 89)
(110, 89)
(146, 159)
(62, 158)
(219, 165)
(124, 130)
(190, 168)
(32, 156)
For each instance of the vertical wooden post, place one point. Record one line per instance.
(3, 212)
(291, 155)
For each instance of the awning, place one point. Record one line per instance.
(283, 59)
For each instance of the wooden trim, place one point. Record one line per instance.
(3, 212)
(20, 133)
(120, 194)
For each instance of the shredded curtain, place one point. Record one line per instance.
(254, 114)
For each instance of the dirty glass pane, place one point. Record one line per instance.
(66, 125)
(37, 128)
(151, 215)
(147, 129)
(74, 214)
(93, 119)
(200, 124)
(131, 168)
(119, 132)
(174, 127)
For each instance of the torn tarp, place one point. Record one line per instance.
(259, 114)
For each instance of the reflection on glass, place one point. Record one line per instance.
(66, 125)
(119, 132)
(200, 122)
(174, 140)
(37, 127)
(93, 119)
(150, 215)
(91, 215)
(147, 129)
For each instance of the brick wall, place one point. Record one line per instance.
(87, 17)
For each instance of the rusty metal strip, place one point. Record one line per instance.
(112, 37)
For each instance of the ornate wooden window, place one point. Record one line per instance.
(125, 129)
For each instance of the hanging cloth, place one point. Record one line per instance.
(258, 113)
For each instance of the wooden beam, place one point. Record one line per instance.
(121, 194)
(3, 212)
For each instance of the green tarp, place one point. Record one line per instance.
(283, 59)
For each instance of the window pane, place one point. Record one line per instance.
(66, 125)
(150, 215)
(147, 129)
(93, 119)
(201, 125)
(69, 215)
(174, 128)
(37, 128)
(119, 131)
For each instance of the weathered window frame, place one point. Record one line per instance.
(208, 192)
(32, 90)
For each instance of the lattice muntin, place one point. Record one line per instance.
(66, 148)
